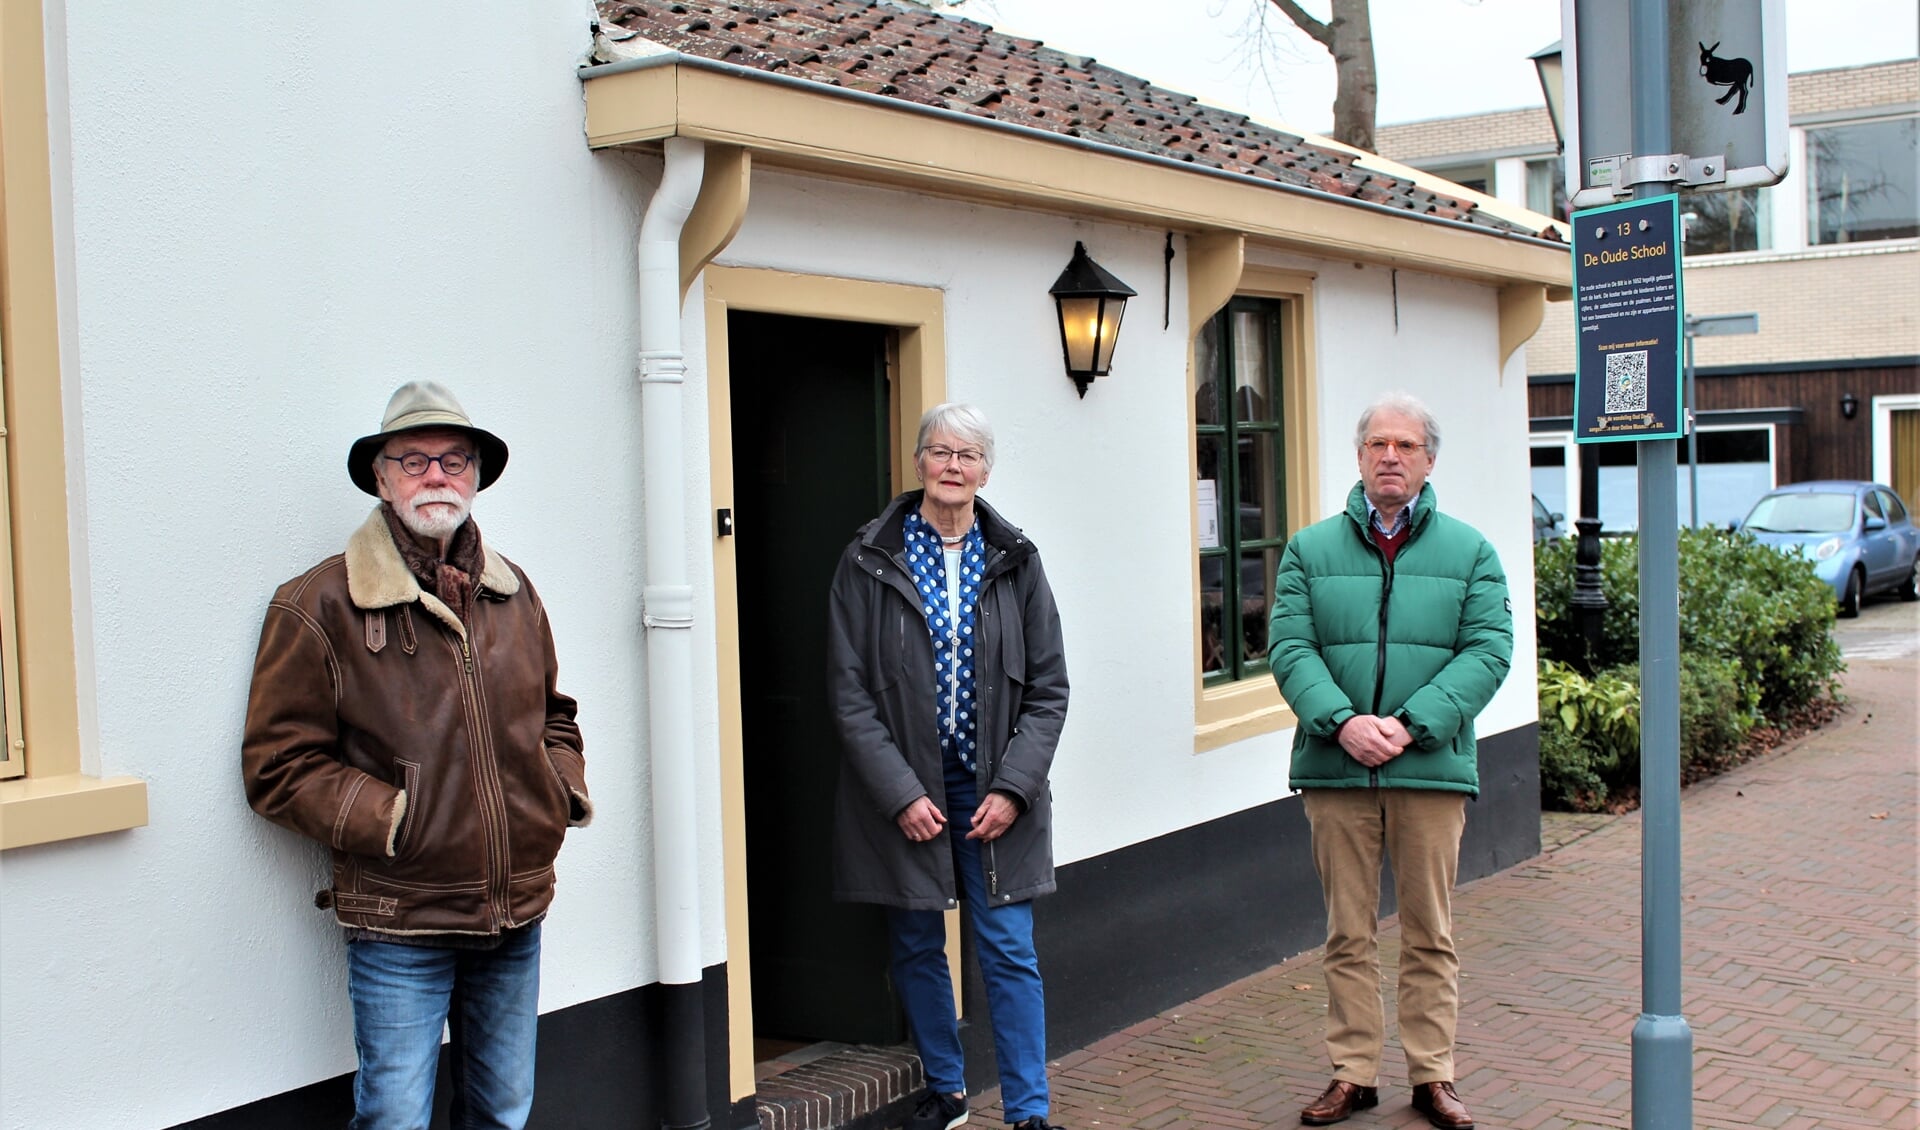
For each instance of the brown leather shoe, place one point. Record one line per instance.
(1339, 1102)
(1442, 1106)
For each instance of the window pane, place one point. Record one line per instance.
(1862, 182)
(1256, 586)
(1253, 366)
(1747, 445)
(1718, 222)
(1896, 510)
(1736, 468)
(1476, 177)
(1206, 374)
(1257, 508)
(1547, 187)
(1210, 493)
(1213, 653)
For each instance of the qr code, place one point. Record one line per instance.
(1627, 382)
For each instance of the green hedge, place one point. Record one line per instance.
(1755, 646)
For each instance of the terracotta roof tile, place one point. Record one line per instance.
(932, 59)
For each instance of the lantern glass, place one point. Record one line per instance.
(1110, 311)
(1080, 332)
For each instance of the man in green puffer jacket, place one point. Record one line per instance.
(1391, 630)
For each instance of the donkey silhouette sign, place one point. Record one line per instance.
(1734, 74)
(1726, 80)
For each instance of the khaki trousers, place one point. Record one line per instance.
(1419, 830)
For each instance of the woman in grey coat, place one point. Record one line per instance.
(949, 687)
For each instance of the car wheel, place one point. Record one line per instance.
(1850, 600)
(1910, 590)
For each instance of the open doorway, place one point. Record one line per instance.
(809, 416)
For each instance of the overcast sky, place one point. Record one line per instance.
(1435, 58)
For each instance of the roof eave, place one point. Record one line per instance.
(856, 134)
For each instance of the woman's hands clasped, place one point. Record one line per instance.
(922, 820)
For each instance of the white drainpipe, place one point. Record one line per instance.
(669, 622)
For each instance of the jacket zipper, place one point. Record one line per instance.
(1380, 654)
(993, 870)
(486, 773)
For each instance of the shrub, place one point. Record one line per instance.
(1764, 610)
(1589, 736)
(1590, 728)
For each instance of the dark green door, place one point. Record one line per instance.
(809, 403)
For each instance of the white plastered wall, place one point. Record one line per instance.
(274, 223)
(274, 226)
(1103, 484)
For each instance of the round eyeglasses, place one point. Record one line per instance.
(966, 456)
(415, 463)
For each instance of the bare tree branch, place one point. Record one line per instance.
(1305, 22)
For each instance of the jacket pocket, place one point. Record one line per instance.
(891, 655)
(1013, 647)
(410, 783)
(560, 784)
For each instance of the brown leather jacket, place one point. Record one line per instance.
(435, 758)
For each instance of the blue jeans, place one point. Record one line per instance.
(403, 995)
(1008, 965)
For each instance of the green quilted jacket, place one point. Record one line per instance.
(1427, 639)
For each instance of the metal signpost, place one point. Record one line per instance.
(1705, 111)
(1705, 325)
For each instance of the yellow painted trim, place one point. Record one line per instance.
(1233, 711)
(917, 363)
(13, 741)
(53, 801)
(824, 131)
(1214, 263)
(1228, 713)
(39, 810)
(632, 107)
(1522, 309)
(717, 214)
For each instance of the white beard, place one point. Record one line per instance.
(436, 524)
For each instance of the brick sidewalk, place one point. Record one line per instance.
(1800, 894)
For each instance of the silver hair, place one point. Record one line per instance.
(1400, 404)
(963, 422)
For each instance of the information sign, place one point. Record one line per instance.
(1628, 316)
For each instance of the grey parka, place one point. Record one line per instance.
(881, 687)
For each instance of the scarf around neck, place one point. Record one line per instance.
(952, 638)
(451, 580)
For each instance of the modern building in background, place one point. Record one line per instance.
(1829, 259)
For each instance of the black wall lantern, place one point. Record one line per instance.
(1849, 404)
(1090, 302)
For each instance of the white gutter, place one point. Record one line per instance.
(668, 608)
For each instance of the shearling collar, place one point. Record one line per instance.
(377, 576)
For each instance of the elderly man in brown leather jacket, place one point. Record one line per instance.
(404, 713)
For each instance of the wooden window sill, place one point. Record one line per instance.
(39, 810)
(1232, 712)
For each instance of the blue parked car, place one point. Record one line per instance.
(1859, 536)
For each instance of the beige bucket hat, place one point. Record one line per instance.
(416, 405)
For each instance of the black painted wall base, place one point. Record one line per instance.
(1129, 934)
(1155, 924)
(599, 1063)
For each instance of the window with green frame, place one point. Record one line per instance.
(1240, 487)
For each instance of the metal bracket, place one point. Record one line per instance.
(667, 606)
(1625, 172)
(662, 367)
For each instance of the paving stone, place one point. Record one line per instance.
(1800, 977)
